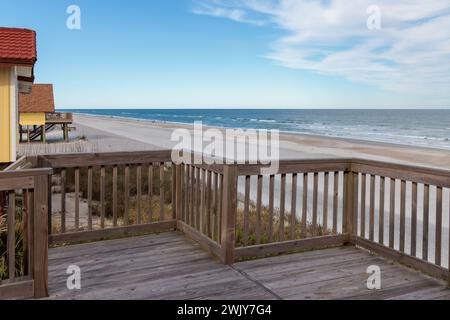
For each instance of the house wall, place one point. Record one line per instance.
(5, 116)
(32, 119)
(8, 114)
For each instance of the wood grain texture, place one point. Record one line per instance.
(282, 207)
(392, 213)
(402, 215)
(271, 205)
(294, 206)
(326, 182)
(11, 235)
(335, 202)
(169, 266)
(438, 240)
(414, 219)
(246, 210)
(229, 212)
(305, 204)
(40, 237)
(259, 210)
(381, 209)
(63, 200)
(426, 221)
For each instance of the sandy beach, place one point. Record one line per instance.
(106, 134)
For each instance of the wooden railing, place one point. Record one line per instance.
(301, 207)
(398, 211)
(23, 234)
(200, 205)
(236, 212)
(402, 212)
(97, 196)
(59, 116)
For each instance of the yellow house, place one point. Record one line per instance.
(34, 107)
(17, 59)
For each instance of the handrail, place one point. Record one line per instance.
(206, 204)
(29, 188)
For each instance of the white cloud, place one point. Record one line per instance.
(410, 54)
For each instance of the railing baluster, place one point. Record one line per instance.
(192, 196)
(11, 236)
(305, 206)
(438, 241)
(208, 203)
(115, 196)
(326, 180)
(102, 196)
(185, 194)
(202, 201)
(219, 207)
(271, 206)
(315, 200)
(414, 220)
(282, 206)
(161, 191)
(426, 221)
(173, 192)
(293, 206)
(63, 200)
(246, 209)
(90, 198)
(335, 201)
(77, 199)
(381, 211)
(197, 199)
(139, 193)
(127, 195)
(392, 213)
(402, 215)
(363, 206)
(372, 208)
(216, 197)
(150, 192)
(258, 210)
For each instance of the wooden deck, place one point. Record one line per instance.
(169, 266)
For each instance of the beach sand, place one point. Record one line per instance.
(112, 134)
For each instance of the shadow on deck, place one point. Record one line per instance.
(169, 266)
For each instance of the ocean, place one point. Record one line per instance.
(424, 128)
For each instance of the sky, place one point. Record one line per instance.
(241, 53)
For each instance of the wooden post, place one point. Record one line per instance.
(43, 134)
(65, 132)
(178, 192)
(229, 207)
(349, 202)
(40, 237)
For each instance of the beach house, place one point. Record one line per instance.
(37, 114)
(17, 59)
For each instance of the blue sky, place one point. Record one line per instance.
(192, 53)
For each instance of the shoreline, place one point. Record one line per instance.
(174, 124)
(147, 134)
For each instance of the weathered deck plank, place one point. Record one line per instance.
(168, 266)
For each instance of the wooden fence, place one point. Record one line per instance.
(112, 184)
(24, 251)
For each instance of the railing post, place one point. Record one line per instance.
(350, 202)
(40, 236)
(229, 211)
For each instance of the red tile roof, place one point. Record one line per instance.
(39, 100)
(17, 46)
